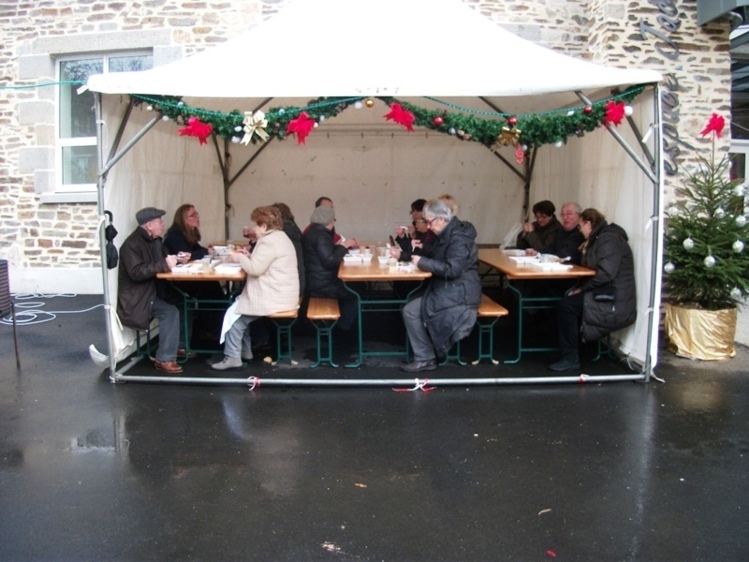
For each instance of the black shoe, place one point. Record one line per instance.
(565, 364)
(418, 366)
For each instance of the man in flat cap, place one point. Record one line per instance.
(142, 256)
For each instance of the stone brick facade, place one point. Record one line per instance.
(42, 229)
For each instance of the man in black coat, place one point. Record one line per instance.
(446, 312)
(142, 256)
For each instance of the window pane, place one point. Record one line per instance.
(78, 164)
(77, 119)
(130, 63)
(76, 112)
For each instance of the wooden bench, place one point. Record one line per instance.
(324, 314)
(284, 321)
(488, 313)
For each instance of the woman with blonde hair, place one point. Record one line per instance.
(272, 283)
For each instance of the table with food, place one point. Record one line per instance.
(515, 267)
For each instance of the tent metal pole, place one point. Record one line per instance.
(229, 182)
(530, 163)
(645, 168)
(510, 166)
(100, 182)
(224, 162)
(116, 158)
(121, 129)
(417, 384)
(249, 161)
(657, 232)
(639, 136)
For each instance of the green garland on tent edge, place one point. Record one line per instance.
(535, 129)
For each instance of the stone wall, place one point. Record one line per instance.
(43, 230)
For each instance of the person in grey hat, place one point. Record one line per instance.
(328, 202)
(142, 256)
(322, 256)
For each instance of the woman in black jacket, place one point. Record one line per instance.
(446, 312)
(602, 304)
(183, 237)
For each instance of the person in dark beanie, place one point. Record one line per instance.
(541, 232)
(142, 256)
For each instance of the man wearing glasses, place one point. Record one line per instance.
(446, 311)
(567, 242)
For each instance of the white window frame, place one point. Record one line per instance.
(62, 143)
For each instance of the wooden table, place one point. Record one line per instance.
(370, 270)
(512, 271)
(233, 279)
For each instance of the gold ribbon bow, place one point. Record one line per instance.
(508, 136)
(254, 124)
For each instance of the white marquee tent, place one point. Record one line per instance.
(408, 49)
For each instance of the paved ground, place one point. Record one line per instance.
(90, 470)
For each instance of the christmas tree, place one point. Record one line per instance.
(706, 263)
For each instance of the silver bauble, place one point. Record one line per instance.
(669, 267)
(741, 220)
(738, 246)
(736, 293)
(688, 244)
(709, 261)
(720, 213)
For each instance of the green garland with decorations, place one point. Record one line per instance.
(527, 130)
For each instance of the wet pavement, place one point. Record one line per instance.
(91, 470)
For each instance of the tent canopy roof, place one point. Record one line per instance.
(398, 48)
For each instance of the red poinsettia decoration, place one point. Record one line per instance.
(714, 125)
(614, 113)
(196, 128)
(401, 116)
(301, 126)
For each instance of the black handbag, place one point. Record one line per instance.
(110, 232)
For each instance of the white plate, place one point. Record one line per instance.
(525, 259)
(551, 266)
(228, 268)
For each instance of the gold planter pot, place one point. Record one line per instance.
(695, 333)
